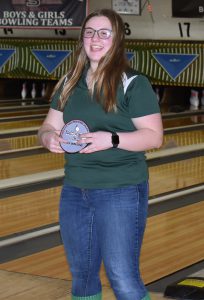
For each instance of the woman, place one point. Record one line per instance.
(103, 205)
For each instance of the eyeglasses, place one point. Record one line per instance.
(103, 33)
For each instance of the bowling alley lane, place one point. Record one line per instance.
(176, 139)
(39, 208)
(18, 164)
(28, 141)
(15, 124)
(181, 138)
(19, 113)
(179, 121)
(11, 102)
(174, 234)
(169, 177)
(26, 165)
(28, 211)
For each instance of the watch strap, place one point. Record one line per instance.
(115, 139)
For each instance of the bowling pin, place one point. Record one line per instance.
(202, 98)
(43, 90)
(194, 100)
(23, 93)
(33, 94)
(33, 91)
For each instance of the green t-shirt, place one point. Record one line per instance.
(112, 167)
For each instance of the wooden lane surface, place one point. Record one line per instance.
(176, 175)
(38, 208)
(166, 108)
(29, 211)
(31, 164)
(178, 139)
(13, 103)
(24, 165)
(167, 123)
(173, 240)
(15, 286)
(163, 178)
(183, 121)
(21, 124)
(170, 140)
(29, 108)
(19, 143)
(22, 102)
(17, 113)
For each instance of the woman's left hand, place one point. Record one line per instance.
(97, 141)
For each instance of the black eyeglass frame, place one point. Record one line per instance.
(98, 33)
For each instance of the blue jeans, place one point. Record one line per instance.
(104, 225)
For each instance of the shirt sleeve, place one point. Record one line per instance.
(141, 98)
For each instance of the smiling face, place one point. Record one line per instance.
(96, 47)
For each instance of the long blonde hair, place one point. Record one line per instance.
(110, 68)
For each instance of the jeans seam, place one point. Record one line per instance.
(137, 229)
(89, 250)
(138, 191)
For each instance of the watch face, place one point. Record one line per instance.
(115, 140)
(129, 7)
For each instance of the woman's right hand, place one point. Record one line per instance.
(49, 132)
(51, 140)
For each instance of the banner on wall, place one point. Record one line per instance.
(51, 59)
(174, 64)
(130, 55)
(188, 8)
(5, 55)
(164, 63)
(44, 14)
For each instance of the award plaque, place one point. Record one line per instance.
(71, 133)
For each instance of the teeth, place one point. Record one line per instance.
(96, 47)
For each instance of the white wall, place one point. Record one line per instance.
(163, 26)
